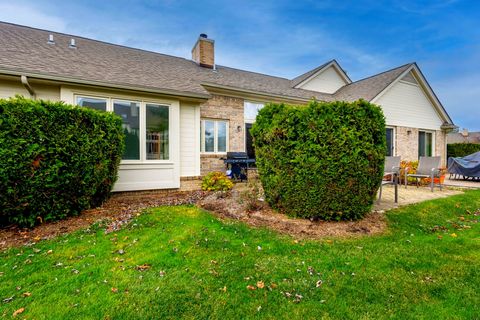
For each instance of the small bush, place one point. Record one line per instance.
(462, 149)
(250, 198)
(56, 159)
(321, 161)
(412, 168)
(216, 181)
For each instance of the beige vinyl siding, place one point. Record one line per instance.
(10, 88)
(328, 81)
(189, 140)
(405, 104)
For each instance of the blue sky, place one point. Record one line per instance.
(287, 38)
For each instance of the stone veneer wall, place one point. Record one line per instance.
(406, 144)
(190, 183)
(223, 108)
(441, 146)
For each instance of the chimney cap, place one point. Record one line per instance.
(203, 35)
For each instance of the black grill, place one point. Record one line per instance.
(238, 163)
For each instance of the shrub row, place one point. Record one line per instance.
(321, 161)
(462, 149)
(56, 159)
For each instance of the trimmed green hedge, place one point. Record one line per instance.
(462, 149)
(56, 159)
(321, 161)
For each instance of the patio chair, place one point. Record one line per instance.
(392, 168)
(428, 167)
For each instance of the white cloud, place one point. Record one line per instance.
(29, 15)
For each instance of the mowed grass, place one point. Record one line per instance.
(196, 266)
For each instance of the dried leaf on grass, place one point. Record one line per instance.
(16, 313)
(143, 267)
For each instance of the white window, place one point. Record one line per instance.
(145, 125)
(214, 135)
(157, 125)
(250, 110)
(390, 133)
(129, 111)
(92, 103)
(425, 144)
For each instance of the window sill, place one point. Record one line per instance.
(213, 154)
(146, 162)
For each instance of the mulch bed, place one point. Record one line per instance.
(117, 211)
(232, 206)
(122, 207)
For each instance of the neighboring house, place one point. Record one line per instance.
(181, 116)
(463, 137)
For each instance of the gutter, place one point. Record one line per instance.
(24, 80)
(176, 93)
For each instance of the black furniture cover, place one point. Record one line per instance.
(468, 166)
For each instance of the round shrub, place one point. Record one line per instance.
(321, 161)
(56, 159)
(216, 181)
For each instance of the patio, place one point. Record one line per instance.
(410, 195)
(470, 184)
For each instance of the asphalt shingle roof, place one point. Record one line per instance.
(370, 87)
(25, 49)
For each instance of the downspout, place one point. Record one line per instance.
(27, 86)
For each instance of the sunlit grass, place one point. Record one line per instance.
(196, 266)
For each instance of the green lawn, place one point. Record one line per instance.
(200, 267)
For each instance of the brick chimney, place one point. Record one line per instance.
(203, 52)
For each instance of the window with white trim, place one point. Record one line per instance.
(214, 136)
(145, 125)
(157, 125)
(390, 133)
(92, 103)
(250, 110)
(425, 144)
(129, 111)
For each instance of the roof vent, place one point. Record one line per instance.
(50, 39)
(72, 44)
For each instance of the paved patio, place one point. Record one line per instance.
(462, 183)
(410, 195)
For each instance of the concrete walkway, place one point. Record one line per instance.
(462, 183)
(409, 196)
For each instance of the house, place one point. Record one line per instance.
(181, 116)
(463, 137)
